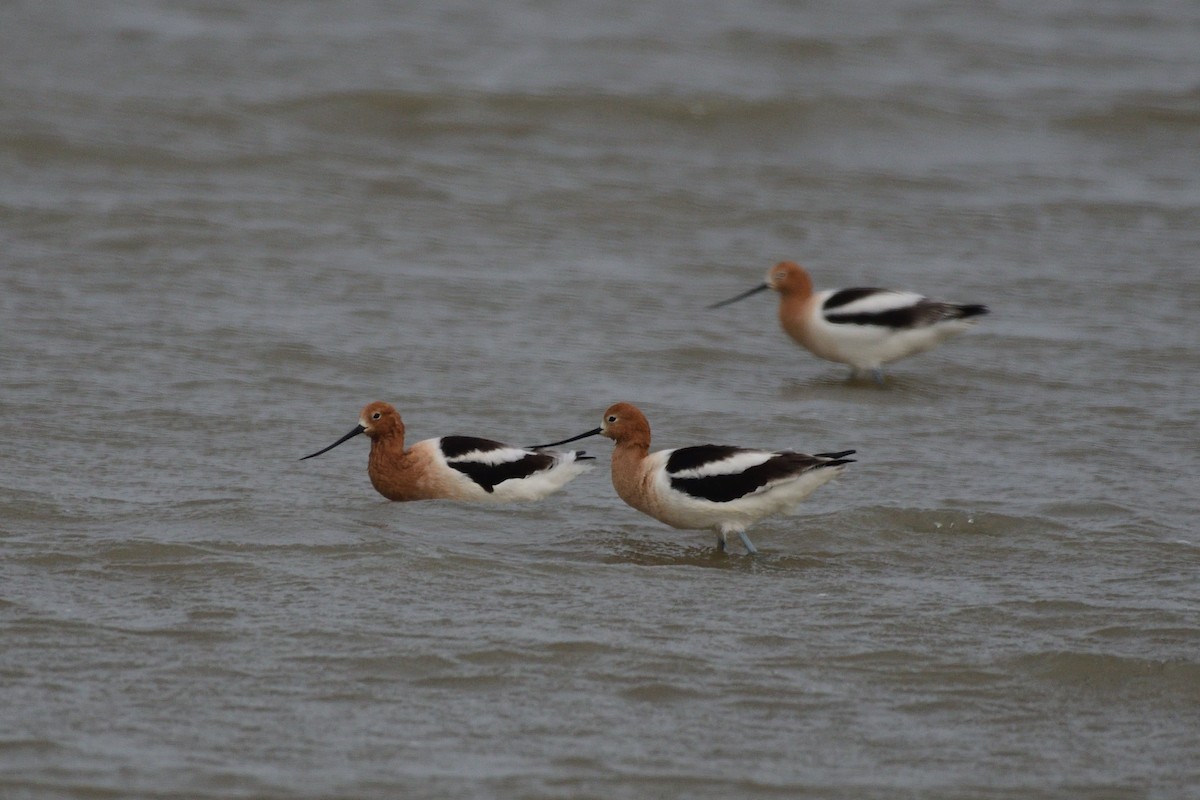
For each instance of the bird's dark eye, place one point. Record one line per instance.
(612, 417)
(376, 415)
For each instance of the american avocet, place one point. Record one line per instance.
(708, 487)
(456, 467)
(865, 328)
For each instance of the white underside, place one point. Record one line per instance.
(868, 347)
(534, 487)
(681, 510)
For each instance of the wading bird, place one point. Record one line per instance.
(456, 467)
(708, 487)
(865, 328)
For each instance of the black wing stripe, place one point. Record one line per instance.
(725, 488)
(455, 446)
(918, 315)
(490, 475)
(895, 318)
(844, 297)
(686, 458)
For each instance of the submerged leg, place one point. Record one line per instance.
(877, 374)
(750, 548)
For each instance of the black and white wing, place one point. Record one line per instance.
(723, 473)
(895, 310)
(489, 463)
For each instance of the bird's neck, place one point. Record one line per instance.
(387, 449)
(627, 462)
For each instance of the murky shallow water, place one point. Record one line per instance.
(228, 226)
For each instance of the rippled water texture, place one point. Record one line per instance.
(227, 226)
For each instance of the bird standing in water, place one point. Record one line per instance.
(456, 467)
(864, 327)
(708, 487)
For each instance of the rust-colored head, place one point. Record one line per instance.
(625, 423)
(381, 420)
(787, 277)
(790, 279)
(622, 422)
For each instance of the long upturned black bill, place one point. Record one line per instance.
(357, 430)
(762, 287)
(592, 432)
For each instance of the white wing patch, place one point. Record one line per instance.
(493, 457)
(877, 303)
(732, 465)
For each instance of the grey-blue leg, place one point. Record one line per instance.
(877, 374)
(750, 548)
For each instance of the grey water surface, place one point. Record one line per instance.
(227, 225)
